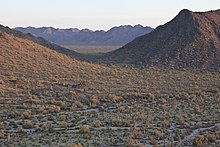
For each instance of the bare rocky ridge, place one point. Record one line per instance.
(73, 36)
(190, 40)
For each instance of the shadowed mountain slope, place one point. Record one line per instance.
(190, 40)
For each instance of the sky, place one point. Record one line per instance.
(96, 14)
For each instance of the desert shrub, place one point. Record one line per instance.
(218, 98)
(26, 114)
(198, 109)
(64, 124)
(44, 126)
(151, 96)
(73, 107)
(72, 93)
(20, 129)
(199, 141)
(84, 129)
(121, 109)
(175, 104)
(120, 123)
(1, 81)
(22, 106)
(1, 125)
(1, 93)
(166, 123)
(11, 78)
(150, 118)
(94, 100)
(165, 108)
(130, 142)
(57, 109)
(22, 83)
(142, 117)
(1, 134)
(164, 100)
(137, 134)
(79, 104)
(81, 90)
(158, 134)
(98, 92)
(211, 138)
(153, 141)
(60, 103)
(217, 134)
(41, 109)
(28, 124)
(181, 120)
(113, 97)
(76, 145)
(139, 145)
(97, 123)
(62, 117)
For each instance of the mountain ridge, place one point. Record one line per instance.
(190, 40)
(118, 35)
(38, 40)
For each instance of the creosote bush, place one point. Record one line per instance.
(94, 100)
(97, 123)
(28, 124)
(199, 141)
(166, 123)
(211, 138)
(23, 106)
(84, 129)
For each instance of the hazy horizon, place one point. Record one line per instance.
(96, 14)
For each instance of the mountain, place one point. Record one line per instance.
(190, 40)
(73, 36)
(38, 40)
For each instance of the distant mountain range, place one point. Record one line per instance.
(190, 40)
(115, 36)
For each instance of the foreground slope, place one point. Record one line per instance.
(25, 57)
(190, 40)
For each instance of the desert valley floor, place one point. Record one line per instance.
(113, 106)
